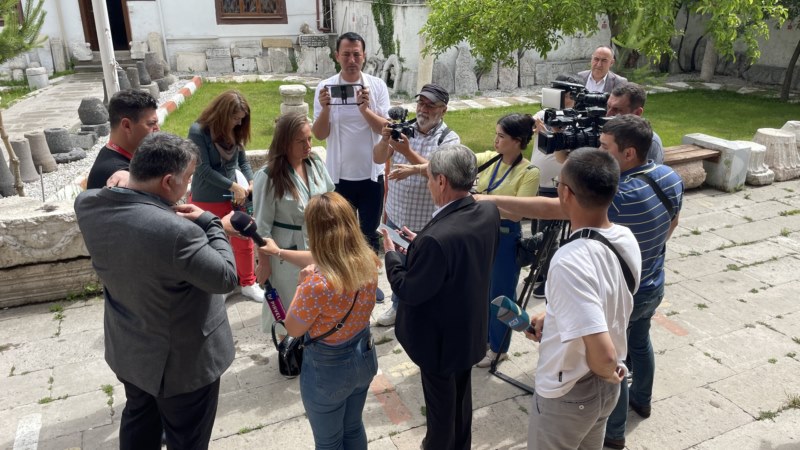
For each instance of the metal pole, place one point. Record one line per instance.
(107, 58)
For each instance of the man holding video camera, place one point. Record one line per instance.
(409, 202)
(629, 98)
(350, 109)
(600, 78)
(648, 201)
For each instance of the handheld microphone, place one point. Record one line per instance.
(246, 226)
(274, 302)
(510, 314)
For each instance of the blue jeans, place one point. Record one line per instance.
(334, 383)
(643, 361)
(505, 275)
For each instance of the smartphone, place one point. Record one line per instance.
(346, 93)
(398, 240)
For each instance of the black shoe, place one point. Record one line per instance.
(618, 444)
(538, 291)
(641, 410)
(379, 296)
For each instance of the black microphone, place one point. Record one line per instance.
(246, 226)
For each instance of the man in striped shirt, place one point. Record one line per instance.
(638, 206)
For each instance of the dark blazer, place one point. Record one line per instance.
(162, 275)
(442, 317)
(213, 176)
(612, 80)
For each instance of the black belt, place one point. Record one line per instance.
(287, 226)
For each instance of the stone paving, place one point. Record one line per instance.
(727, 338)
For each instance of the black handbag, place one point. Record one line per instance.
(290, 349)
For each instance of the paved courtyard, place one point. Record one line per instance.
(727, 338)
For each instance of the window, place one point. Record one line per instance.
(251, 11)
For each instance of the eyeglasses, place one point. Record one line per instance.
(557, 182)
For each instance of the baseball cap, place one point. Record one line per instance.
(434, 93)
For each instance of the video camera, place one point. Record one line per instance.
(571, 128)
(401, 125)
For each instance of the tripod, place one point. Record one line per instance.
(553, 233)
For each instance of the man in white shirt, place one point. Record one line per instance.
(600, 78)
(352, 124)
(590, 297)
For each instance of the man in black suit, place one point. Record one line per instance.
(163, 267)
(443, 285)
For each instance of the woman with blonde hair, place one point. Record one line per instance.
(337, 369)
(221, 133)
(282, 189)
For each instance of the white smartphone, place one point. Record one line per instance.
(398, 240)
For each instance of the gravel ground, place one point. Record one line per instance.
(71, 173)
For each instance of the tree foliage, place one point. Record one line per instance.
(792, 14)
(18, 37)
(495, 29)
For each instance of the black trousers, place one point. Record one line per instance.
(448, 410)
(366, 196)
(187, 419)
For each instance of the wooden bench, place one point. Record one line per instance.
(687, 161)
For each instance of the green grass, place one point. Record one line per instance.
(722, 114)
(10, 96)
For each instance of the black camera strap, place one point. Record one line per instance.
(659, 193)
(444, 134)
(488, 163)
(588, 233)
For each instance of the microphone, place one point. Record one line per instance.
(274, 302)
(246, 226)
(510, 314)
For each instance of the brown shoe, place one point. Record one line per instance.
(617, 444)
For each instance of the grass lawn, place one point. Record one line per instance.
(722, 114)
(12, 94)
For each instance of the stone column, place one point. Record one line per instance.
(57, 50)
(133, 77)
(293, 99)
(758, 174)
(27, 170)
(37, 77)
(781, 155)
(425, 69)
(6, 179)
(40, 152)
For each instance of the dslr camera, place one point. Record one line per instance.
(571, 128)
(400, 126)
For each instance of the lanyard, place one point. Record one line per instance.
(492, 185)
(119, 150)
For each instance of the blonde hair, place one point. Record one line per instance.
(337, 244)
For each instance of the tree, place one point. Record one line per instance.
(16, 38)
(493, 28)
(19, 37)
(730, 21)
(793, 12)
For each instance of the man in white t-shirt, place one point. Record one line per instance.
(351, 119)
(590, 298)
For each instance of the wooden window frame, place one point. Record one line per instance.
(279, 17)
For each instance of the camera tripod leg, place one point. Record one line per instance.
(557, 232)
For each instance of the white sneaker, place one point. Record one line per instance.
(387, 318)
(254, 293)
(487, 360)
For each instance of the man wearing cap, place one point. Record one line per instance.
(409, 203)
(600, 78)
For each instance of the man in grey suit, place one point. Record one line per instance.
(601, 78)
(163, 268)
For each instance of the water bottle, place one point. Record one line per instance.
(274, 301)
